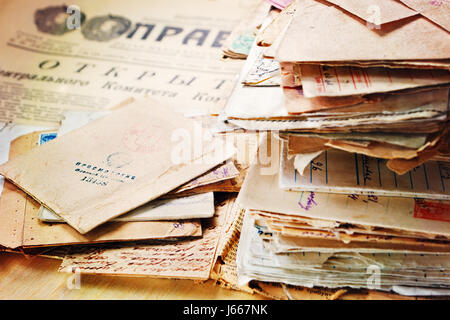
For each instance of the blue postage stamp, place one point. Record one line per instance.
(46, 137)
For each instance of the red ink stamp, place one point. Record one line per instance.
(432, 210)
(143, 138)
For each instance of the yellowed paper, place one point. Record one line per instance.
(224, 271)
(76, 119)
(321, 32)
(387, 212)
(346, 81)
(221, 173)
(383, 11)
(271, 32)
(112, 165)
(436, 11)
(338, 171)
(21, 227)
(190, 207)
(168, 51)
(192, 259)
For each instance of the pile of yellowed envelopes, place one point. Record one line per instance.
(357, 94)
(349, 84)
(124, 192)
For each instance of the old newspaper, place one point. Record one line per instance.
(88, 55)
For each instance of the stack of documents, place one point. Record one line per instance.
(353, 240)
(349, 196)
(351, 84)
(114, 177)
(357, 95)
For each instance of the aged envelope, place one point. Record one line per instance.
(114, 164)
(219, 175)
(296, 103)
(407, 140)
(222, 173)
(20, 227)
(319, 80)
(381, 12)
(190, 207)
(436, 11)
(328, 33)
(385, 11)
(192, 259)
(408, 214)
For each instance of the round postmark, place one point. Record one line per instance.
(119, 160)
(53, 20)
(105, 28)
(143, 138)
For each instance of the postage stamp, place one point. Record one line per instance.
(46, 137)
(432, 210)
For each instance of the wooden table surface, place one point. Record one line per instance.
(37, 278)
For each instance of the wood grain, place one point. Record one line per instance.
(37, 278)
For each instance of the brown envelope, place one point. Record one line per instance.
(403, 101)
(20, 227)
(296, 103)
(191, 259)
(319, 80)
(112, 165)
(436, 11)
(402, 166)
(358, 237)
(321, 244)
(384, 11)
(320, 32)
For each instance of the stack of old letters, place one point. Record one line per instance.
(358, 96)
(142, 186)
(322, 171)
(100, 182)
(360, 87)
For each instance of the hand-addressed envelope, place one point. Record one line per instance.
(115, 164)
(20, 226)
(218, 175)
